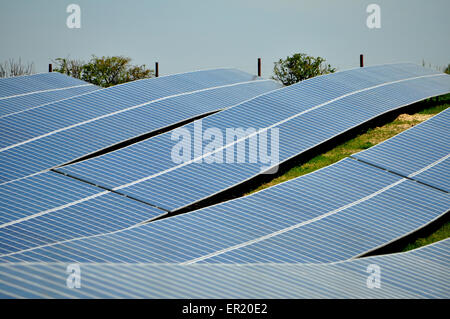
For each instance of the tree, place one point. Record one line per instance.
(299, 67)
(103, 71)
(15, 68)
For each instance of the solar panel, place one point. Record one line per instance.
(307, 114)
(32, 84)
(40, 193)
(349, 234)
(408, 151)
(78, 140)
(421, 273)
(40, 121)
(232, 251)
(336, 213)
(14, 105)
(50, 207)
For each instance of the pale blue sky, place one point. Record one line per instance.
(186, 35)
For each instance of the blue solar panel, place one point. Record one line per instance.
(103, 214)
(36, 122)
(421, 273)
(242, 239)
(39, 193)
(79, 140)
(307, 114)
(21, 103)
(372, 224)
(407, 152)
(30, 84)
(336, 213)
(49, 207)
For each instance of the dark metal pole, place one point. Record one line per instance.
(50, 68)
(259, 66)
(361, 60)
(156, 69)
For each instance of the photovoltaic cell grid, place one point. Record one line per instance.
(45, 202)
(21, 103)
(40, 193)
(36, 122)
(69, 144)
(421, 273)
(30, 84)
(228, 253)
(168, 189)
(50, 207)
(33, 216)
(410, 150)
(307, 114)
(333, 214)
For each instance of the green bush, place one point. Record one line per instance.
(103, 71)
(299, 67)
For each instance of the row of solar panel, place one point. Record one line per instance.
(32, 84)
(421, 273)
(336, 213)
(266, 227)
(48, 192)
(115, 98)
(39, 139)
(307, 114)
(18, 104)
(58, 129)
(51, 197)
(249, 250)
(18, 94)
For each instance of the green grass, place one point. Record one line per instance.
(435, 109)
(361, 142)
(442, 233)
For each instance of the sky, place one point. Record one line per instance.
(188, 35)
